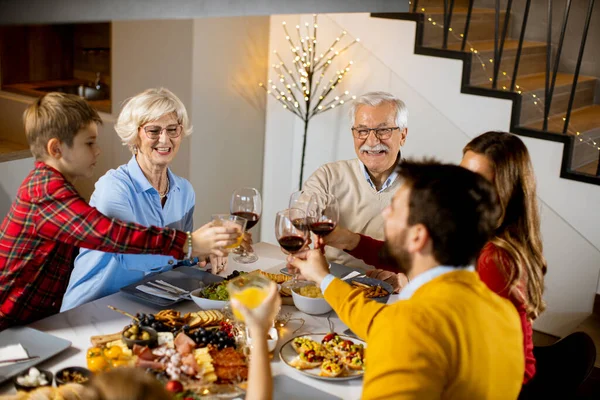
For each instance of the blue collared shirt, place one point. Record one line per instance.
(418, 281)
(126, 194)
(387, 182)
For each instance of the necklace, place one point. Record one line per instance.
(164, 194)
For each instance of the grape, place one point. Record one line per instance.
(151, 317)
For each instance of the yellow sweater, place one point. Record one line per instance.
(453, 339)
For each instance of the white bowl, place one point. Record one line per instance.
(207, 304)
(271, 343)
(309, 305)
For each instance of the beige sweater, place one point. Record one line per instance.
(360, 204)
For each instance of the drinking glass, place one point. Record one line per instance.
(250, 290)
(231, 221)
(291, 234)
(324, 217)
(246, 203)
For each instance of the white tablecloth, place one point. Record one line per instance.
(95, 318)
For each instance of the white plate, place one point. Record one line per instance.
(288, 354)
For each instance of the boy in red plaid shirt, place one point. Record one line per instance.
(49, 220)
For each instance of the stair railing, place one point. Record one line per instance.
(552, 63)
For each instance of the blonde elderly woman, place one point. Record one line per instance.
(152, 124)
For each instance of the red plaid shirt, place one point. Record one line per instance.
(40, 235)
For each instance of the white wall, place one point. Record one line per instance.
(441, 122)
(229, 58)
(150, 54)
(12, 173)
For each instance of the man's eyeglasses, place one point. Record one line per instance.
(154, 131)
(380, 133)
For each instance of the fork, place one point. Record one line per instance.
(166, 289)
(168, 285)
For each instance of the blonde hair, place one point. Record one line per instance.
(56, 115)
(149, 106)
(518, 233)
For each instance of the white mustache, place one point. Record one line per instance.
(378, 147)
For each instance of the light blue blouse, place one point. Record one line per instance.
(126, 194)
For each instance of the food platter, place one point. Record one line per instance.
(194, 353)
(332, 351)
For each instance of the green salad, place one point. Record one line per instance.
(216, 291)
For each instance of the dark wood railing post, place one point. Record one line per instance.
(467, 25)
(415, 5)
(502, 39)
(496, 34)
(586, 27)
(548, 62)
(561, 40)
(520, 47)
(447, 22)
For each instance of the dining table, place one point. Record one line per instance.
(79, 324)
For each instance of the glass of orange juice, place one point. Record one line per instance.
(231, 221)
(250, 290)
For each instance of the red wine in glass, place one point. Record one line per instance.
(251, 217)
(322, 228)
(300, 223)
(292, 243)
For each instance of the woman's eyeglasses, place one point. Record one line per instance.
(154, 131)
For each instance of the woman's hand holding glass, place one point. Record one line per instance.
(211, 239)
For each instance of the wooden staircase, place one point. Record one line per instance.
(582, 141)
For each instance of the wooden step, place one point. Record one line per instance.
(589, 168)
(532, 61)
(532, 86)
(437, 3)
(481, 26)
(585, 125)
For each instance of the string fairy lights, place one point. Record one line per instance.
(306, 85)
(537, 101)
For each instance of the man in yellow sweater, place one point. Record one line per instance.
(451, 337)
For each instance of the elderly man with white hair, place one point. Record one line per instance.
(364, 186)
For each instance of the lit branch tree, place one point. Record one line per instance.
(308, 87)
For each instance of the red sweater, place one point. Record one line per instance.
(489, 272)
(489, 264)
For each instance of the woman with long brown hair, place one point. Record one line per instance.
(512, 263)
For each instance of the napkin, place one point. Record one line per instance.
(351, 275)
(157, 293)
(12, 352)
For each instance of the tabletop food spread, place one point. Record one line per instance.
(199, 353)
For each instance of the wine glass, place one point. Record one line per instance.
(291, 236)
(324, 216)
(246, 203)
(301, 201)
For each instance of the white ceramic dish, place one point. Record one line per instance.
(207, 304)
(288, 355)
(309, 305)
(271, 343)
